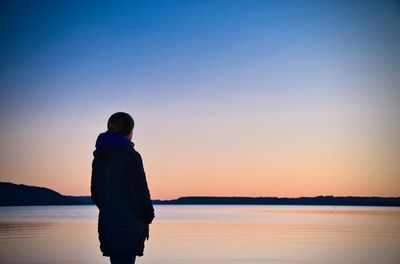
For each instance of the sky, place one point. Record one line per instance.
(230, 98)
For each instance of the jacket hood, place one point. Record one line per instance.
(112, 139)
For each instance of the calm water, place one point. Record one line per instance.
(210, 234)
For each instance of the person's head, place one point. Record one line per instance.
(121, 122)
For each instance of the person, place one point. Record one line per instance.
(119, 190)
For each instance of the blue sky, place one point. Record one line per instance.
(325, 70)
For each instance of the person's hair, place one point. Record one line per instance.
(121, 122)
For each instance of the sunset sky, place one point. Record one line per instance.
(230, 98)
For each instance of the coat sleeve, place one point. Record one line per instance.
(94, 182)
(138, 188)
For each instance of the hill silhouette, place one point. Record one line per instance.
(19, 194)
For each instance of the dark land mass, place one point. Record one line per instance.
(19, 194)
(317, 200)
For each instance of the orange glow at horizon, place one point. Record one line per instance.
(216, 157)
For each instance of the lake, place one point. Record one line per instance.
(204, 234)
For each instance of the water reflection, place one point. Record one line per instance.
(210, 234)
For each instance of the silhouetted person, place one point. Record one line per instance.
(119, 190)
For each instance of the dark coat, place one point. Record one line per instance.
(120, 192)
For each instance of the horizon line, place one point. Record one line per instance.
(216, 196)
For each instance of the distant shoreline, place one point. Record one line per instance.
(24, 195)
(317, 200)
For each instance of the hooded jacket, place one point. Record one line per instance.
(119, 190)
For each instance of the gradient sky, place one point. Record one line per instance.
(237, 98)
